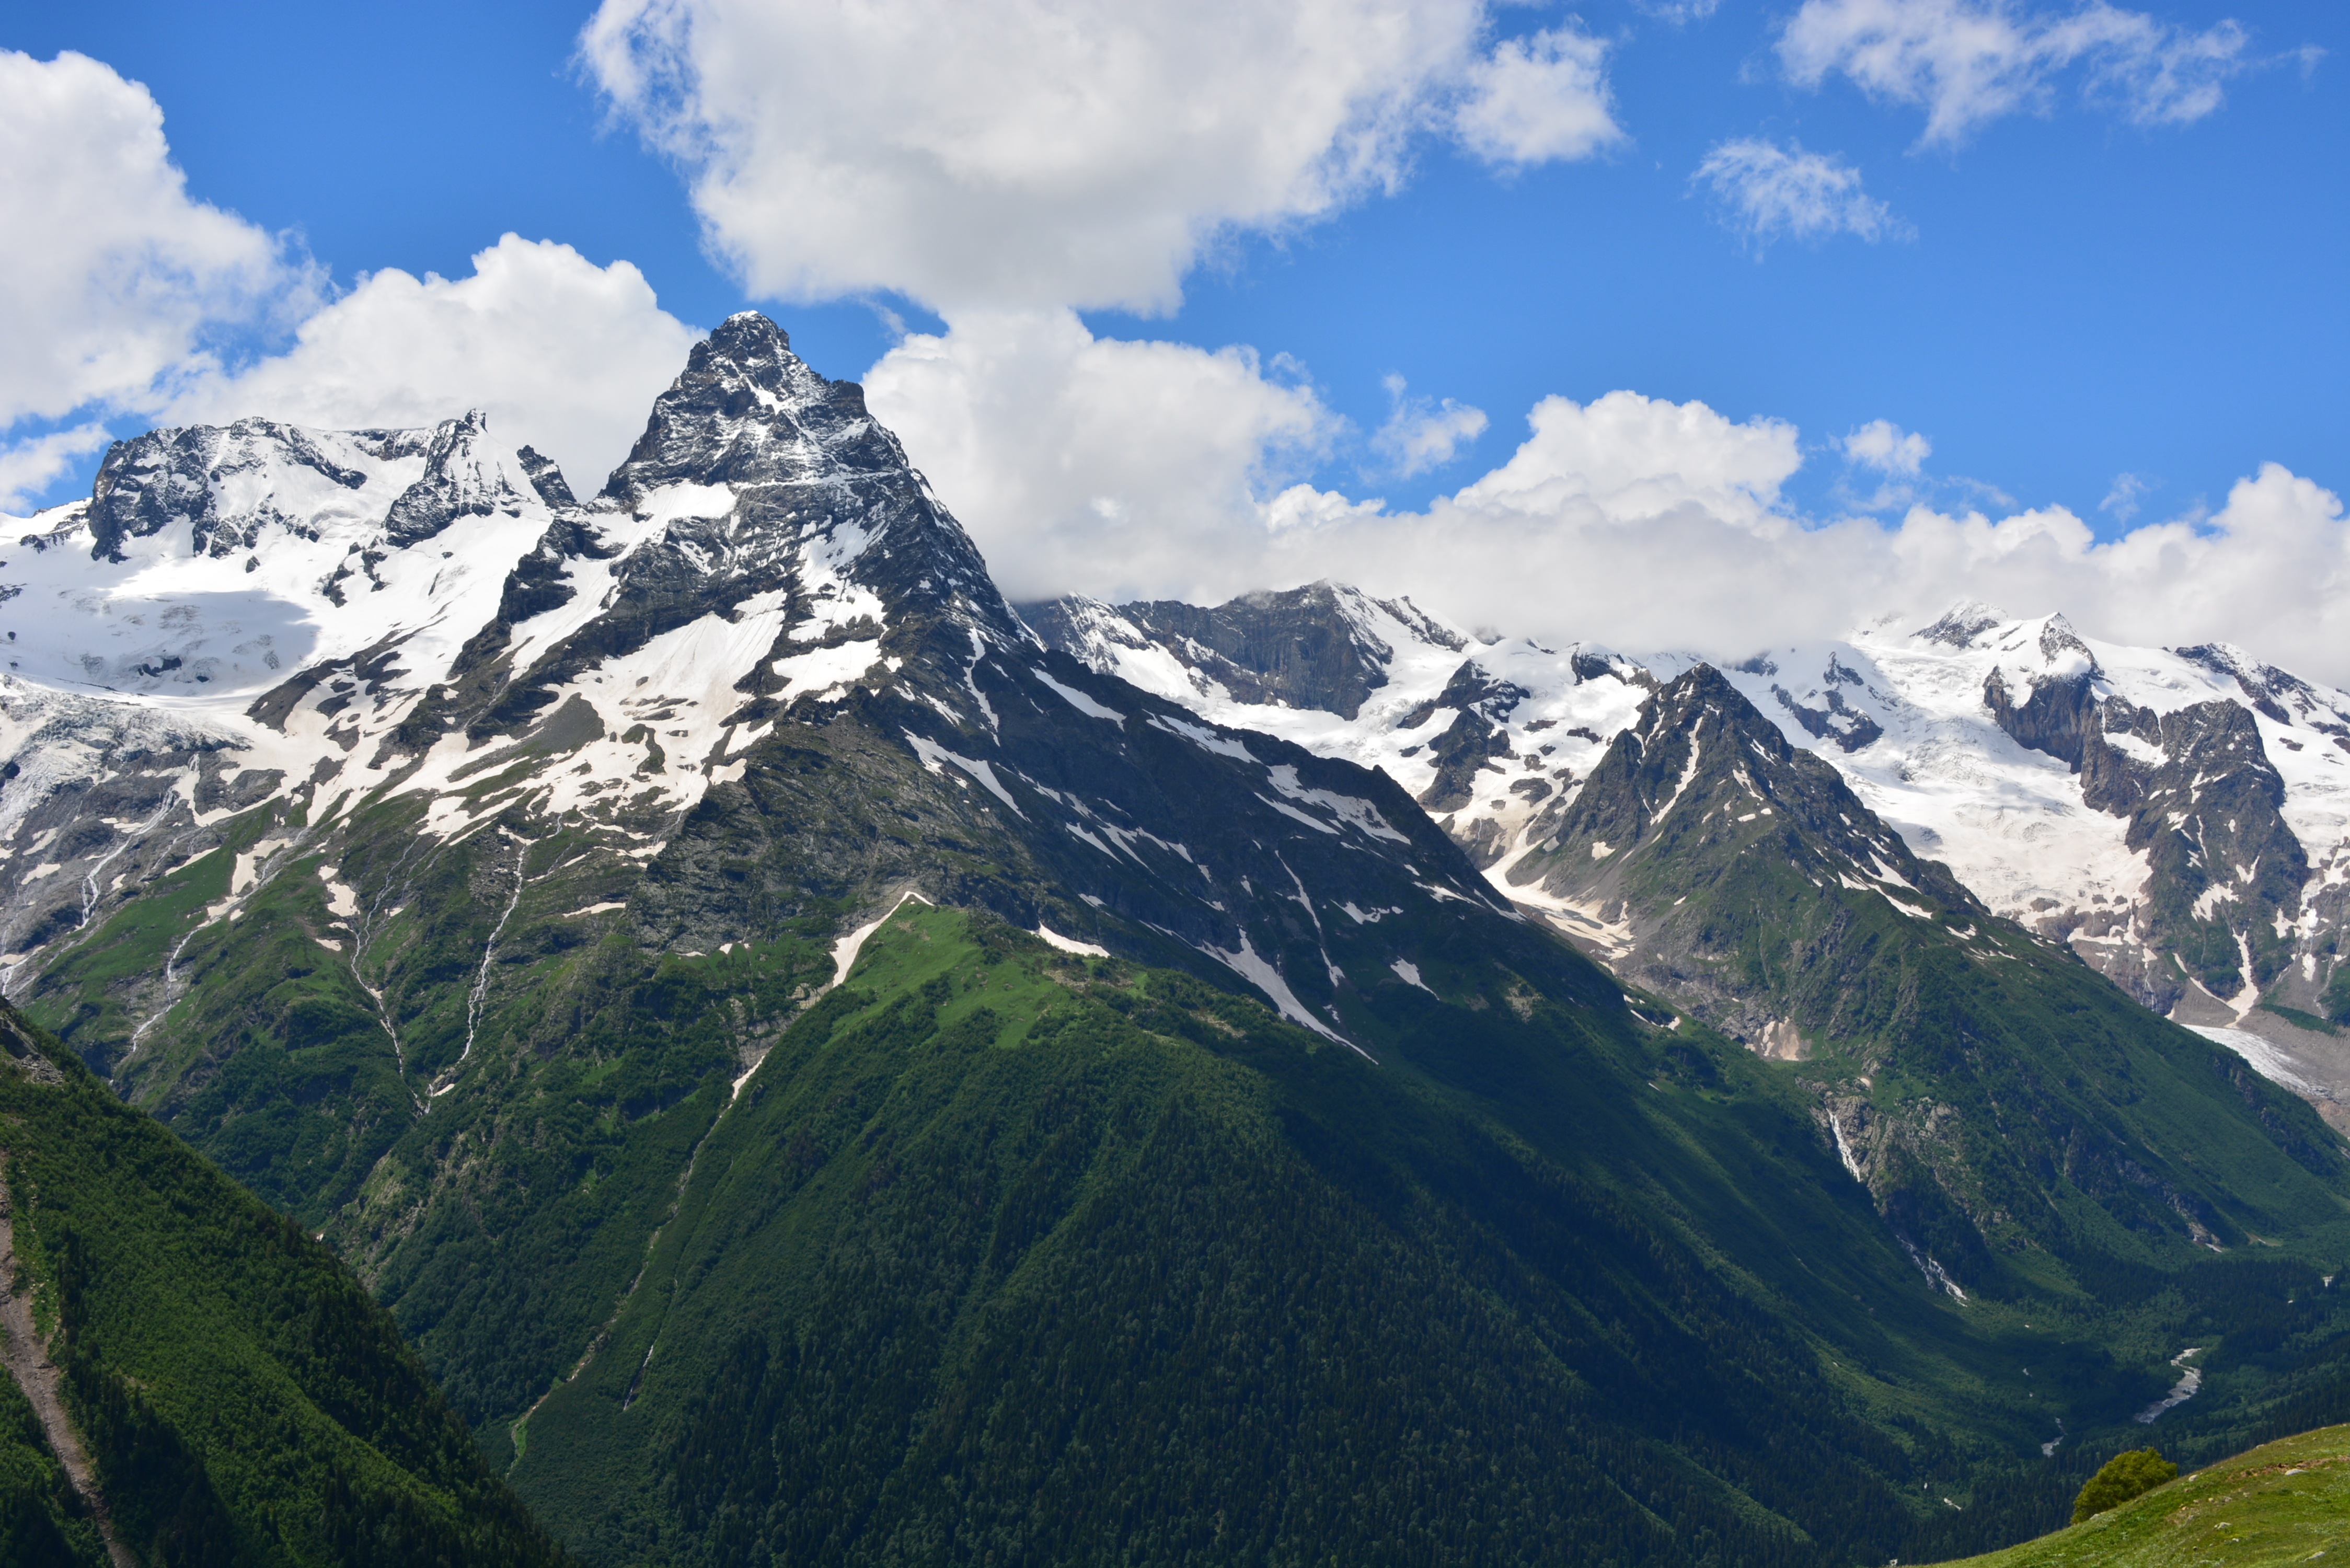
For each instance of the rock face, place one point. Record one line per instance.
(1315, 647)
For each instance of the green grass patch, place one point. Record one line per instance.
(2283, 1502)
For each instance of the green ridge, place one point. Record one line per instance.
(1006, 1251)
(2283, 1502)
(241, 1399)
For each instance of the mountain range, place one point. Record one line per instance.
(819, 1060)
(2178, 817)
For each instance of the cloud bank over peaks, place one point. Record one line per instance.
(114, 284)
(562, 355)
(1131, 467)
(1968, 62)
(1082, 154)
(1637, 522)
(141, 306)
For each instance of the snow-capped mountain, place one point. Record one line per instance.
(2180, 817)
(510, 887)
(265, 645)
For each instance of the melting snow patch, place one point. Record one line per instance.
(1205, 739)
(1358, 814)
(845, 950)
(1250, 966)
(2265, 1059)
(1080, 700)
(827, 671)
(592, 910)
(933, 754)
(1291, 811)
(1409, 972)
(1069, 944)
(1090, 838)
(340, 899)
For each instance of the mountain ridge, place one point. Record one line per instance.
(596, 920)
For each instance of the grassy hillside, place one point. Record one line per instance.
(238, 1396)
(2286, 1501)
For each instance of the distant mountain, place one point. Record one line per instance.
(816, 1071)
(2179, 818)
(190, 1379)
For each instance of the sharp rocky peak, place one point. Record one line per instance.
(748, 410)
(1703, 774)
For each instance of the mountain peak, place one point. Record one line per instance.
(748, 410)
(1961, 624)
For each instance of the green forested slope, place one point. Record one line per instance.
(1006, 1254)
(241, 1400)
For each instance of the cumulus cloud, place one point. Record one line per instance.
(1082, 154)
(113, 281)
(1769, 193)
(1537, 100)
(1968, 62)
(562, 354)
(1636, 522)
(1886, 447)
(1130, 466)
(1421, 435)
(1581, 555)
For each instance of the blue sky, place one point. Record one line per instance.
(2063, 295)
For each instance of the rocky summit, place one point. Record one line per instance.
(822, 1063)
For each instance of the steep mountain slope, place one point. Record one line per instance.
(431, 989)
(190, 1379)
(502, 939)
(1008, 1250)
(2180, 818)
(1997, 1099)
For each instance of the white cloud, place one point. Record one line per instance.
(117, 312)
(28, 466)
(1086, 153)
(1631, 520)
(1421, 435)
(1769, 193)
(1624, 458)
(1123, 466)
(1538, 99)
(112, 279)
(2122, 499)
(563, 355)
(1679, 13)
(1723, 572)
(1970, 62)
(1886, 447)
